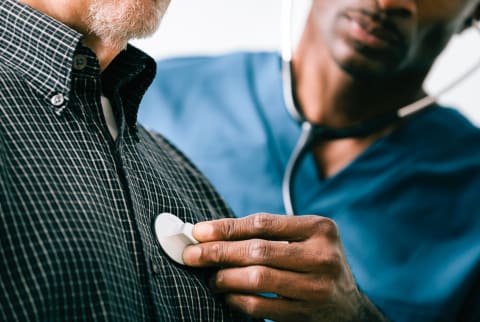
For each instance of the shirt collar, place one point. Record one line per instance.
(129, 75)
(42, 50)
(38, 47)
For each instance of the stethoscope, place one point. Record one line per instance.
(174, 235)
(313, 133)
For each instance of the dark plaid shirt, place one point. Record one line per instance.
(76, 207)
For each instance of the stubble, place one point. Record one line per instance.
(115, 22)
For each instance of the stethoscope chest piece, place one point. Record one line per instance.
(173, 235)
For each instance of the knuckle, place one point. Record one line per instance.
(331, 263)
(262, 221)
(333, 258)
(327, 227)
(228, 229)
(258, 249)
(215, 253)
(257, 276)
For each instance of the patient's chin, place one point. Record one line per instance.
(115, 23)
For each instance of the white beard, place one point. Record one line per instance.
(115, 22)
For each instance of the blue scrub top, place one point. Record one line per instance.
(407, 208)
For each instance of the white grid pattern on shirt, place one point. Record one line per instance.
(76, 208)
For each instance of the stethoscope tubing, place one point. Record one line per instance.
(292, 164)
(311, 131)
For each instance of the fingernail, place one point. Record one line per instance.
(191, 255)
(203, 231)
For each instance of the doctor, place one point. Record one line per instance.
(396, 224)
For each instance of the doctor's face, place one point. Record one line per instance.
(117, 21)
(385, 37)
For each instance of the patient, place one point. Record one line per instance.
(80, 182)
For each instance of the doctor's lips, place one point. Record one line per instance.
(374, 31)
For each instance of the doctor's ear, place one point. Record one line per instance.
(476, 18)
(473, 21)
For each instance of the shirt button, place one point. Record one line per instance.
(79, 62)
(156, 268)
(57, 100)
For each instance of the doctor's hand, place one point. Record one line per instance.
(309, 274)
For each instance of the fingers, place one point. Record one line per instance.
(261, 279)
(265, 226)
(276, 309)
(311, 299)
(318, 255)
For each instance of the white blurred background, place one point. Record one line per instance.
(218, 26)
